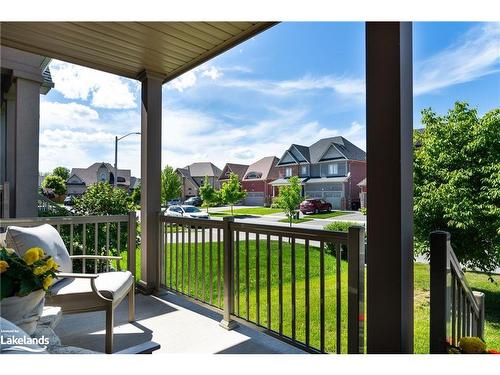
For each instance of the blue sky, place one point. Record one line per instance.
(294, 83)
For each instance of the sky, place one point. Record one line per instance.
(295, 83)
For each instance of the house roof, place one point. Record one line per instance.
(203, 169)
(346, 148)
(265, 167)
(284, 181)
(239, 169)
(167, 49)
(320, 180)
(89, 175)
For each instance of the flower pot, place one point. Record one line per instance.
(25, 311)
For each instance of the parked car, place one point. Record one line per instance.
(194, 201)
(174, 202)
(186, 211)
(69, 200)
(315, 206)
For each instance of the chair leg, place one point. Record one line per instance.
(109, 328)
(131, 304)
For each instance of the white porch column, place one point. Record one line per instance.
(26, 146)
(389, 127)
(150, 179)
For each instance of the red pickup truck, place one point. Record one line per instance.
(314, 206)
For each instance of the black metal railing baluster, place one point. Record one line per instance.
(257, 278)
(322, 296)
(268, 284)
(307, 296)
(280, 283)
(247, 276)
(293, 276)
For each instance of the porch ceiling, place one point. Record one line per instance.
(128, 48)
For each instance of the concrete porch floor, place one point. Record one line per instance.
(178, 325)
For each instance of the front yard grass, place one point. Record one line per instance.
(326, 215)
(259, 211)
(295, 221)
(477, 281)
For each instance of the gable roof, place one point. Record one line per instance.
(203, 169)
(239, 169)
(89, 175)
(265, 167)
(346, 148)
(304, 151)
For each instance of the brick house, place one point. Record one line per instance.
(193, 176)
(81, 178)
(329, 169)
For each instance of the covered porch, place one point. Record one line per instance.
(155, 53)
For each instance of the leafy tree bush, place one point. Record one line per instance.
(56, 183)
(208, 194)
(99, 199)
(170, 184)
(62, 172)
(457, 183)
(289, 198)
(135, 197)
(231, 191)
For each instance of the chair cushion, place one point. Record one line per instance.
(45, 236)
(3, 243)
(77, 294)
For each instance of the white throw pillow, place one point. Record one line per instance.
(45, 236)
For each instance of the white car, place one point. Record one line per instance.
(186, 211)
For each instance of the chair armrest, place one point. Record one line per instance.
(76, 275)
(144, 348)
(103, 257)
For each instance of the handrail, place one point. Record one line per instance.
(68, 227)
(234, 266)
(455, 310)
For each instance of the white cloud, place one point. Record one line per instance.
(69, 115)
(211, 72)
(475, 55)
(104, 90)
(183, 82)
(347, 86)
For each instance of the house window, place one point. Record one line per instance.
(288, 172)
(303, 170)
(333, 169)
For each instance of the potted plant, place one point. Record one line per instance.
(23, 284)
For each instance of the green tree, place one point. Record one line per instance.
(135, 197)
(170, 184)
(208, 194)
(102, 199)
(289, 198)
(56, 183)
(457, 184)
(231, 191)
(62, 172)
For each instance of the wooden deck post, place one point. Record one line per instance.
(227, 322)
(439, 312)
(356, 290)
(150, 179)
(389, 130)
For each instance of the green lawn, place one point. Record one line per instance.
(327, 215)
(295, 221)
(476, 281)
(248, 211)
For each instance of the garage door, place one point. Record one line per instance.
(254, 199)
(333, 197)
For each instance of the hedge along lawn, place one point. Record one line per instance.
(477, 281)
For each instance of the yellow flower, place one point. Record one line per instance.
(51, 264)
(3, 266)
(40, 270)
(47, 282)
(32, 255)
(472, 345)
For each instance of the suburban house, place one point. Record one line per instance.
(329, 169)
(256, 181)
(193, 176)
(81, 178)
(239, 169)
(363, 193)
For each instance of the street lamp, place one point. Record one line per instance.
(116, 154)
